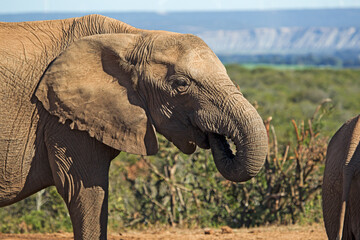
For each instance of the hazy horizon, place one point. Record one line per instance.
(164, 6)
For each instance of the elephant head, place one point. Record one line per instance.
(121, 87)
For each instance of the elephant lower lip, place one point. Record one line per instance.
(186, 147)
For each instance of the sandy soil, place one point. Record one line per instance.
(269, 233)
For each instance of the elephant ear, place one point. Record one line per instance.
(92, 85)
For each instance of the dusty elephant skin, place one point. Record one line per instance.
(341, 186)
(75, 92)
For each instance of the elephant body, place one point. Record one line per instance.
(76, 92)
(26, 49)
(341, 184)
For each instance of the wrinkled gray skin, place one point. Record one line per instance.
(75, 92)
(341, 185)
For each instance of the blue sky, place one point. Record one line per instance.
(21, 6)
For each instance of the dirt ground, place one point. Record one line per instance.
(269, 233)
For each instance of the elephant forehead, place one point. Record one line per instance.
(200, 63)
(203, 57)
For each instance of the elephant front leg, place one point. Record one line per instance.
(80, 167)
(88, 212)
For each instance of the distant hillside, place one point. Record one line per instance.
(283, 40)
(248, 32)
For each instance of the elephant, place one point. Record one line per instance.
(341, 183)
(76, 92)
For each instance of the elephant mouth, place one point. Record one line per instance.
(202, 140)
(224, 143)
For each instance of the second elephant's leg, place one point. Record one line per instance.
(80, 167)
(354, 208)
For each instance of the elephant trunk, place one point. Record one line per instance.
(246, 129)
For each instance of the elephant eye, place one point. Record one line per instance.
(180, 84)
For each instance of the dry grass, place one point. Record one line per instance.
(293, 232)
